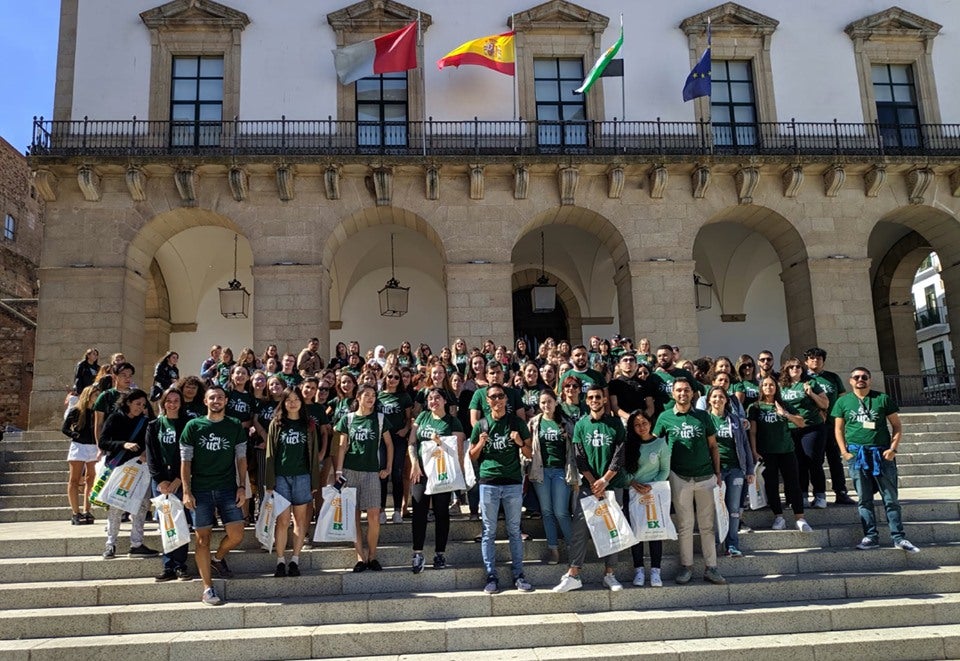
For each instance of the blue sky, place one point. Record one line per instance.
(28, 50)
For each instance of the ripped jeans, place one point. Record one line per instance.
(736, 483)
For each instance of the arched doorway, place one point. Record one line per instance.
(535, 327)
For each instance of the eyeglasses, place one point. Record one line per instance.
(496, 397)
(628, 359)
(860, 377)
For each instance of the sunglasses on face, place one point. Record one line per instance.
(393, 376)
(794, 367)
(594, 397)
(496, 397)
(860, 377)
(765, 360)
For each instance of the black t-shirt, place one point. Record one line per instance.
(631, 392)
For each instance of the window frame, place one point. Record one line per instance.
(205, 132)
(9, 227)
(575, 132)
(382, 104)
(735, 140)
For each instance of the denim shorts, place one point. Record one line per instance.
(223, 501)
(295, 488)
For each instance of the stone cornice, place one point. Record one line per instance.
(730, 19)
(893, 22)
(376, 15)
(194, 15)
(559, 14)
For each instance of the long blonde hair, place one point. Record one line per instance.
(84, 403)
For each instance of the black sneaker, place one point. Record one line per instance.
(280, 571)
(220, 567)
(77, 520)
(165, 575)
(374, 565)
(359, 567)
(110, 552)
(844, 499)
(87, 517)
(439, 561)
(183, 574)
(293, 569)
(142, 551)
(418, 563)
(125, 517)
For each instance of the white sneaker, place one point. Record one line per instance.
(803, 526)
(655, 580)
(611, 582)
(397, 517)
(779, 523)
(568, 583)
(819, 502)
(383, 518)
(905, 545)
(638, 576)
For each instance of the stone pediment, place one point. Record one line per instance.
(560, 15)
(196, 15)
(730, 19)
(376, 15)
(893, 22)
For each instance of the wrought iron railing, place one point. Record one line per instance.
(932, 388)
(135, 137)
(927, 317)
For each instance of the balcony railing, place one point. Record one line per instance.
(931, 388)
(135, 137)
(926, 317)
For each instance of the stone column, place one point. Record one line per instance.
(801, 318)
(658, 302)
(480, 303)
(905, 359)
(291, 304)
(843, 313)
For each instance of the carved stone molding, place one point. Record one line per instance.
(955, 183)
(918, 180)
(873, 180)
(569, 179)
(186, 181)
(383, 186)
(286, 176)
(137, 183)
(476, 182)
(792, 180)
(746, 180)
(331, 182)
(700, 180)
(657, 177)
(432, 182)
(616, 178)
(89, 182)
(521, 181)
(47, 184)
(833, 179)
(239, 183)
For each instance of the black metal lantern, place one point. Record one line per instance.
(234, 298)
(543, 295)
(703, 293)
(393, 297)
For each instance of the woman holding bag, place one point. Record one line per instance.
(429, 427)
(163, 459)
(121, 440)
(292, 469)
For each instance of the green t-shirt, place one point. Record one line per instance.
(750, 390)
(317, 413)
(726, 443)
(587, 378)
(240, 405)
(653, 465)
(290, 380)
(292, 448)
(872, 410)
(687, 433)
(479, 401)
(796, 396)
(574, 411)
(531, 399)
(427, 426)
(773, 431)
(169, 444)
(393, 406)
(832, 385)
(364, 436)
(666, 385)
(107, 401)
(553, 446)
(340, 407)
(215, 447)
(461, 361)
(599, 440)
(500, 457)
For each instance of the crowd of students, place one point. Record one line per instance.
(544, 429)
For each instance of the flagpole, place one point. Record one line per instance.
(423, 88)
(513, 28)
(623, 79)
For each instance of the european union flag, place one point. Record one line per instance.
(698, 82)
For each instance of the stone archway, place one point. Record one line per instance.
(565, 297)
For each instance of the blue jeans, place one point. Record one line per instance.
(733, 479)
(511, 497)
(554, 495)
(177, 558)
(866, 485)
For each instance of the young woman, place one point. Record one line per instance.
(553, 470)
(248, 359)
(404, 356)
(358, 465)
(192, 390)
(292, 469)
(163, 459)
(82, 456)
(461, 357)
(271, 366)
(736, 460)
(220, 372)
(270, 352)
(530, 386)
(772, 443)
(240, 400)
(809, 441)
(165, 374)
(339, 357)
(258, 386)
(570, 403)
(85, 374)
(548, 374)
(396, 406)
(123, 439)
(646, 459)
(428, 428)
(345, 399)
(746, 388)
(423, 355)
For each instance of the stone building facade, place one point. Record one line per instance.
(20, 244)
(797, 231)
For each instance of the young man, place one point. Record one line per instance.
(479, 405)
(288, 371)
(766, 366)
(598, 442)
(107, 401)
(667, 373)
(309, 361)
(814, 359)
(587, 376)
(870, 448)
(628, 392)
(496, 442)
(213, 453)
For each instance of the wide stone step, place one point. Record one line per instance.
(28, 477)
(36, 454)
(33, 488)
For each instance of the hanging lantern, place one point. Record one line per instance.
(234, 298)
(543, 295)
(393, 297)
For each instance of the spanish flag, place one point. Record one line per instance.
(494, 52)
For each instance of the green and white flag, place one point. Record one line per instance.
(600, 65)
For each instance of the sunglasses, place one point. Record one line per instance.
(794, 367)
(594, 397)
(860, 377)
(496, 397)
(393, 376)
(765, 360)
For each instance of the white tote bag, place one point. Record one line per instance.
(757, 492)
(722, 525)
(469, 474)
(127, 486)
(337, 521)
(273, 506)
(174, 529)
(441, 465)
(650, 513)
(607, 524)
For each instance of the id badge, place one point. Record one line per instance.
(870, 424)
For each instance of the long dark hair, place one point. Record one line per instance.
(124, 404)
(631, 448)
(280, 413)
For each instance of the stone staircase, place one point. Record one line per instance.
(812, 596)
